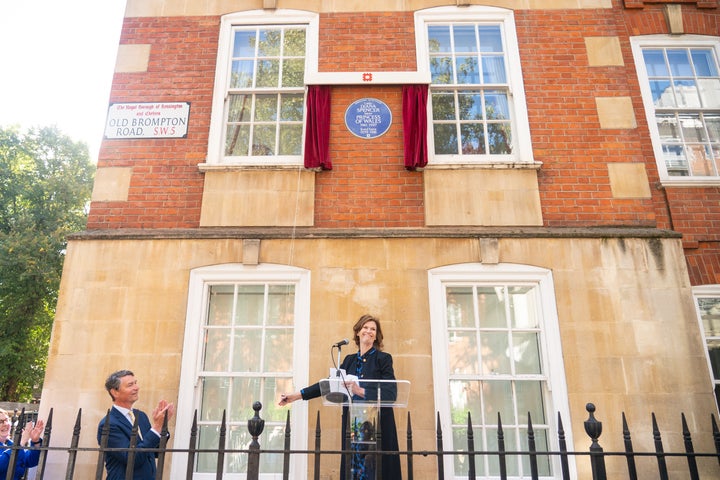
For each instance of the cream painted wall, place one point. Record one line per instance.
(630, 338)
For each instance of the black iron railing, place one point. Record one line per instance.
(596, 456)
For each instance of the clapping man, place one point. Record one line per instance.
(123, 389)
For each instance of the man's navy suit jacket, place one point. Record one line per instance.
(120, 430)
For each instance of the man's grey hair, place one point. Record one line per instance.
(113, 381)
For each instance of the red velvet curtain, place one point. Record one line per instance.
(414, 98)
(317, 131)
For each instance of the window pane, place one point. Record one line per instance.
(443, 106)
(293, 72)
(281, 305)
(441, 70)
(250, 305)
(668, 127)
(291, 107)
(710, 92)
(269, 45)
(465, 397)
(241, 75)
(445, 137)
(439, 39)
(214, 398)
(495, 353)
(500, 138)
(290, 139)
(220, 304)
(208, 439)
(238, 140)
(264, 140)
(493, 69)
(530, 400)
(679, 63)
(462, 352)
(294, 42)
(244, 44)
(490, 39)
(472, 138)
(496, 105)
(662, 94)
(467, 70)
(692, 128)
(276, 355)
(470, 106)
(464, 36)
(460, 307)
(217, 350)
(712, 122)
(496, 395)
(655, 63)
(687, 94)
(491, 307)
(266, 108)
(245, 391)
(268, 73)
(526, 353)
(523, 307)
(239, 108)
(704, 63)
(714, 352)
(247, 348)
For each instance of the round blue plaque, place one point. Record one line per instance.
(368, 118)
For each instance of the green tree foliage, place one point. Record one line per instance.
(45, 185)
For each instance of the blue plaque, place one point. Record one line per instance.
(368, 118)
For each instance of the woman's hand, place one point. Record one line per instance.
(286, 398)
(355, 389)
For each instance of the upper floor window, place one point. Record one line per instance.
(680, 82)
(476, 103)
(259, 99)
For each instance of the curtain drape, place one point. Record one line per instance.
(317, 130)
(414, 107)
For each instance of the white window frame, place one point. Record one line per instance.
(522, 144)
(189, 390)
(699, 292)
(216, 138)
(552, 358)
(668, 41)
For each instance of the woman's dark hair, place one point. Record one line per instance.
(378, 333)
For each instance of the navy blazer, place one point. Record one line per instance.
(120, 430)
(25, 459)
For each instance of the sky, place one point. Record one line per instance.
(56, 65)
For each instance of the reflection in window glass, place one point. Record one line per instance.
(709, 310)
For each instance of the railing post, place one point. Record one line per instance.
(502, 458)
(192, 448)
(629, 455)
(441, 458)
(662, 465)
(164, 435)
(221, 448)
(594, 429)
(532, 455)
(286, 453)
(409, 448)
(256, 425)
(72, 452)
(15, 446)
(318, 438)
(692, 463)
(563, 449)
(104, 435)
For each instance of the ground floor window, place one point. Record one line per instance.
(245, 339)
(495, 344)
(707, 302)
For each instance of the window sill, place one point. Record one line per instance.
(221, 167)
(485, 166)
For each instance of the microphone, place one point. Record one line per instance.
(342, 342)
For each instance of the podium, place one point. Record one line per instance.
(363, 413)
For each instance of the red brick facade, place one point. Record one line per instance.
(368, 186)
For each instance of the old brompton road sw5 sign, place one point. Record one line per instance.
(147, 120)
(368, 118)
